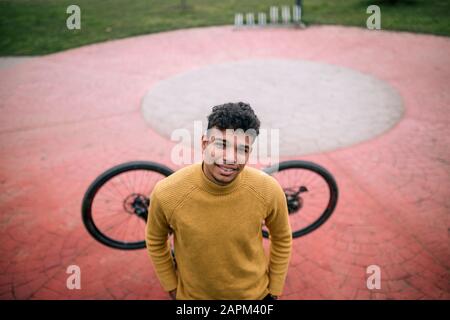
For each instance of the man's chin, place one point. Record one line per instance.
(224, 179)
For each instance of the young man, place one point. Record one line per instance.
(215, 210)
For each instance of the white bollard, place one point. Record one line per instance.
(286, 14)
(250, 19)
(238, 20)
(296, 14)
(274, 15)
(261, 19)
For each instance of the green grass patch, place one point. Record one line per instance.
(36, 27)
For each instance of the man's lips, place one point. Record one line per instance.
(226, 169)
(226, 166)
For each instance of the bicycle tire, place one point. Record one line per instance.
(329, 179)
(86, 207)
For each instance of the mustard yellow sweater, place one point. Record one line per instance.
(217, 235)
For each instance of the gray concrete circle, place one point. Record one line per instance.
(7, 62)
(316, 106)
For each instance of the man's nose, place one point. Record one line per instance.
(230, 156)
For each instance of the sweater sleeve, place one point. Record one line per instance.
(158, 248)
(277, 222)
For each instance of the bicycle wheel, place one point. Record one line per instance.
(115, 206)
(311, 194)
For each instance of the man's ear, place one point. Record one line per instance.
(204, 142)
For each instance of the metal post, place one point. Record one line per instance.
(299, 3)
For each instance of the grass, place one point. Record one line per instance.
(36, 27)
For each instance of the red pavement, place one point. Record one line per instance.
(67, 117)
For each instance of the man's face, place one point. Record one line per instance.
(226, 153)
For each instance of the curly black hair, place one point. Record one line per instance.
(234, 116)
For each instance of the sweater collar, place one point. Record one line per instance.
(215, 188)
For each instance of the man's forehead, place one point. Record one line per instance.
(228, 134)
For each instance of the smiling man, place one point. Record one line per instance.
(215, 210)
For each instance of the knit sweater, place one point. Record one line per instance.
(217, 235)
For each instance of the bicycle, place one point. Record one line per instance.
(316, 188)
